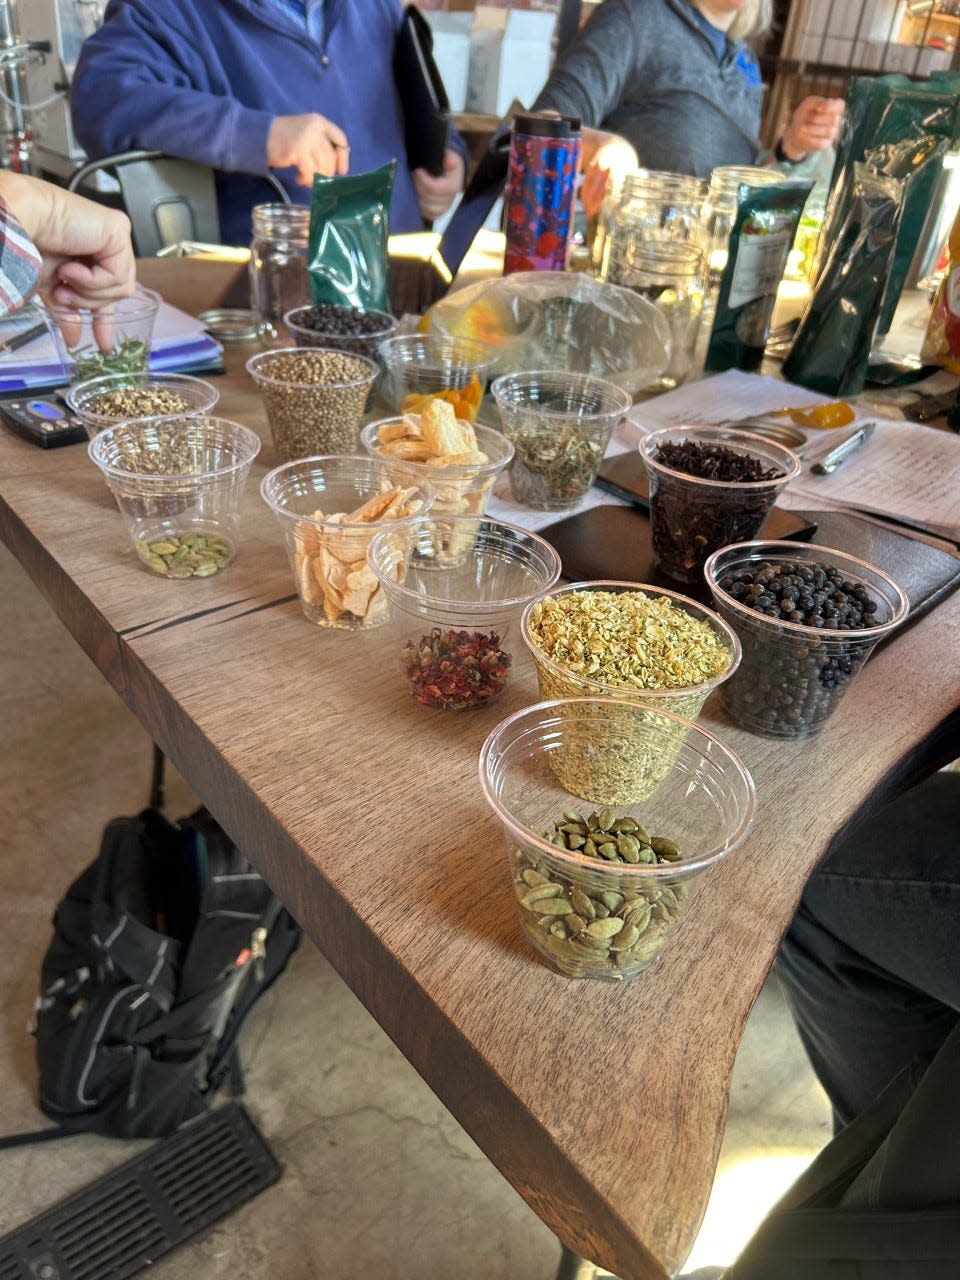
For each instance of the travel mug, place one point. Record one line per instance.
(541, 182)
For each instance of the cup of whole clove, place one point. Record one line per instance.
(709, 487)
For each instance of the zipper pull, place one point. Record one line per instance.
(258, 949)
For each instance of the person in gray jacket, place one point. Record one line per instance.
(673, 85)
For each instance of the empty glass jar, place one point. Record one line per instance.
(278, 266)
(654, 206)
(668, 273)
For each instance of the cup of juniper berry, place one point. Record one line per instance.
(808, 617)
(709, 487)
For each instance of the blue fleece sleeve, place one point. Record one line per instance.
(136, 85)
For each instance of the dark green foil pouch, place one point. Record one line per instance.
(760, 241)
(347, 250)
(832, 346)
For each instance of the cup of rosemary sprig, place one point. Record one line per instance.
(111, 339)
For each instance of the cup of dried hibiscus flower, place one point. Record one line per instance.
(709, 487)
(456, 619)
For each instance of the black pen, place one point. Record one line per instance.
(21, 339)
(829, 461)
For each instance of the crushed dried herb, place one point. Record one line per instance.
(455, 669)
(714, 462)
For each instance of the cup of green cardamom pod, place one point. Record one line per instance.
(178, 484)
(602, 888)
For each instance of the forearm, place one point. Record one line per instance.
(590, 79)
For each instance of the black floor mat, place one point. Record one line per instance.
(127, 1219)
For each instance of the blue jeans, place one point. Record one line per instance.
(871, 963)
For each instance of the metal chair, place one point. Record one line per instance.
(166, 199)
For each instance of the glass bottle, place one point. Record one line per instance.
(719, 213)
(654, 206)
(278, 266)
(669, 273)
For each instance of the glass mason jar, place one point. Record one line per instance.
(669, 273)
(719, 213)
(654, 206)
(278, 266)
(601, 232)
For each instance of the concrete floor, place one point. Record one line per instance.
(380, 1182)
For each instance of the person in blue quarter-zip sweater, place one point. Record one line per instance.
(296, 86)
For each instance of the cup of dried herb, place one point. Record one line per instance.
(123, 397)
(455, 621)
(625, 640)
(709, 487)
(110, 339)
(600, 889)
(178, 484)
(560, 425)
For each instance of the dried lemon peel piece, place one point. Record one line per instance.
(628, 639)
(330, 564)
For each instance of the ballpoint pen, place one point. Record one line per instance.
(827, 462)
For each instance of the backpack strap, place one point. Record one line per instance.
(146, 957)
(28, 1139)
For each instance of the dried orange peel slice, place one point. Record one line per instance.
(835, 413)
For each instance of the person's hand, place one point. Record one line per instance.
(610, 160)
(310, 143)
(436, 195)
(814, 126)
(87, 256)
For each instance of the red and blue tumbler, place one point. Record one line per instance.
(541, 182)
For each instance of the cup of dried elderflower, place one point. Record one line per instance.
(626, 640)
(178, 484)
(122, 397)
(601, 888)
(315, 398)
(329, 509)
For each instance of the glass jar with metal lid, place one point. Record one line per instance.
(654, 206)
(668, 273)
(278, 265)
(720, 211)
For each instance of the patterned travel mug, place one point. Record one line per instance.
(541, 181)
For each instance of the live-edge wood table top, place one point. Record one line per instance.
(604, 1104)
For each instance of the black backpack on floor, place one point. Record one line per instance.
(160, 949)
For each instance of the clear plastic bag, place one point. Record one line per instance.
(560, 320)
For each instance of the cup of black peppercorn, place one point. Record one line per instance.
(709, 487)
(807, 618)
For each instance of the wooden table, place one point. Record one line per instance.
(604, 1104)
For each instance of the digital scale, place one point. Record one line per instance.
(42, 422)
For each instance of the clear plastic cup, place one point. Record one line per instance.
(792, 676)
(309, 332)
(178, 482)
(328, 555)
(111, 339)
(421, 366)
(461, 488)
(691, 517)
(603, 910)
(315, 398)
(455, 618)
(560, 425)
(123, 397)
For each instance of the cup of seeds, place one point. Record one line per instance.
(808, 617)
(625, 640)
(601, 888)
(560, 425)
(454, 619)
(315, 398)
(178, 483)
(123, 397)
(709, 486)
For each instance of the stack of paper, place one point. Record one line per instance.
(180, 342)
